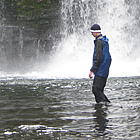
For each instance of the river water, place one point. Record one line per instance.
(65, 109)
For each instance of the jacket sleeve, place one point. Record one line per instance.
(99, 44)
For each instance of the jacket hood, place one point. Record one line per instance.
(104, 38)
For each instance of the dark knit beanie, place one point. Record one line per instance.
(95, 28)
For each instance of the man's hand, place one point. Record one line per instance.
(90, 74)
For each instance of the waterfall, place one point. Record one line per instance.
(71, 56)
(119, 20)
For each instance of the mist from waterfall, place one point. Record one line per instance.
(119, 20)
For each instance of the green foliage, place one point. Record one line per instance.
(34, 8)
(40, 15)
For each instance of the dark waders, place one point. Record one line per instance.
(98, 89)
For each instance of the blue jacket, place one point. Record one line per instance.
(101, 57)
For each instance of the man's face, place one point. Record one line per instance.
(94, 34)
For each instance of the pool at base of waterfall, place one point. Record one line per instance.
(56, 109)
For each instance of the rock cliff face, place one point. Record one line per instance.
(28, 31)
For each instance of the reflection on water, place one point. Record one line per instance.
(66, 109)
(100, 119)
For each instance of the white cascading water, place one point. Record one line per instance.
(119, 20)
(73, 54)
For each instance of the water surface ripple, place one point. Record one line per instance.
(53, 109)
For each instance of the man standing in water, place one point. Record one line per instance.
(101, 64)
